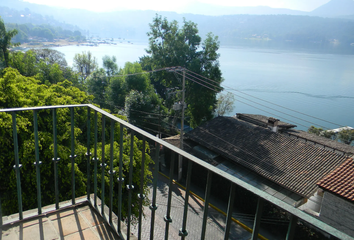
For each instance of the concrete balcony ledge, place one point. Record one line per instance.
(79, 221)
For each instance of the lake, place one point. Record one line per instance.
(298, 87)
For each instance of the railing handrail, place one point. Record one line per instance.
(264, 195)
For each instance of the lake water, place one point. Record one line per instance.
(296, 87)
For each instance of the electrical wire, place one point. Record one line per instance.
(307, 115)
(261, 105)
(257, 107)
(195, 77)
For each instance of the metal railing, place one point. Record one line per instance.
(114, 176)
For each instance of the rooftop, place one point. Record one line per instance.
(294, 164)
(84, 219)
(341, 180)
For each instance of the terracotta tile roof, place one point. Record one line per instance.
(341, 180)
(287, 161)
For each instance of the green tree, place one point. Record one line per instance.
(85, 64)
(225, 103)
(20, 91)
(142, 110)
(97, 83)
(110, 65)
(324, 133)
(170, 46)
(5, 42)
(136, 79)
(51, 56)
(116, 93)
(132, 77)
(346, 136)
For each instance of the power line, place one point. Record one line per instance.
(256, 103)
(213, 87)
(252, 105)
(267, 101)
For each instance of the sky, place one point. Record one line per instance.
(176, 6)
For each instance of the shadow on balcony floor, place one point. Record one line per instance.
(80, 221)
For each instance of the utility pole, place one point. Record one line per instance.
(182, 128)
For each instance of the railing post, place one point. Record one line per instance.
(72, 156)
(230, 208)
(88, 154)
(130, 187)
(17, 166)
(257, 219)
(153, 206)
(183, 231)
(292, 227)
(206, 203)
(167, 217)
(103, 166)
(37, 163)
(95, 159)
(141, 195)
(120, 180)
(111, 174)
(55, 159)
(0, 210)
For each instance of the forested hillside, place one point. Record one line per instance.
(257, 30)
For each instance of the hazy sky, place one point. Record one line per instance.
(176, 6)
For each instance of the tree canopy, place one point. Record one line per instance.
(17, 91)
(6, 42)
(345, 135)
(225, 104)
(170, 45)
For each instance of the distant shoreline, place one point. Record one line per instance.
(60, 43)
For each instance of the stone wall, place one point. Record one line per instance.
(338, 213)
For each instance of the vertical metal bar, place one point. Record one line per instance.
(183, 231)
(111, 173)
(206, 203)
(141, 194)
(167, 217)
(88, 154)
(292, 227)
(37, 163)
(180, 158)
(17, 166)
(153, 205)
(230, 208)
(103, 166)
(257, 219)
(130, 187)
(55, 159)
(1, 223)
(120, 179)
(72, 156)
(95, 159)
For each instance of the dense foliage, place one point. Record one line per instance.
(6, 37)
(171, 46)
(33, 25)
(17, 90)
(345, 135)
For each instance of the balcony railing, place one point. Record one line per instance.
(92, 184)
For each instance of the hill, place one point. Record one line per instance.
(271, 30)
(335, 8)
(215, 10)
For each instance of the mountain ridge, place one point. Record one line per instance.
(335, 8)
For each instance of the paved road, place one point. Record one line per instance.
(216, 221)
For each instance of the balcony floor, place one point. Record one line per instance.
(80, 221)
